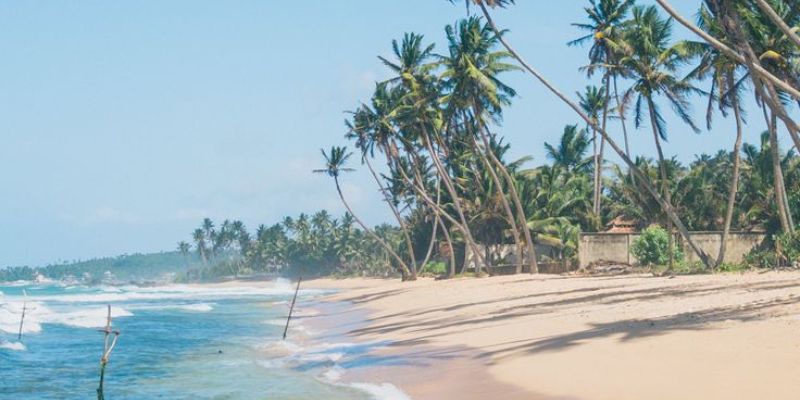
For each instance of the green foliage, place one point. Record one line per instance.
(725, 267)
(758, 258)
(309, 245)
(652, 247)
(788, 244)
(435, 268)
(133, 267)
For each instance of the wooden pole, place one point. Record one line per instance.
(107, 348)
(22, 319)
(291, 308)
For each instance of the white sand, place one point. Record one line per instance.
(732, 336)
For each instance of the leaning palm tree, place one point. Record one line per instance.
(359, 130)
(666, 206)
(475, 95)
(334, 166)
(420, 124)
(652, 62)
(605, 26)
(726, 88)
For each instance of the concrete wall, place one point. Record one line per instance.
(614, 248)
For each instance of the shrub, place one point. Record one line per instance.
(435, 268)
(652, 247)
(789, 245)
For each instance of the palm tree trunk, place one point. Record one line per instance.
(599, 182)
(777, 171)
(456, 201)
(369, 231)
(621, 113)
(735, 178)
(778, 21)
(512, 186)
(484, 156)
(666, 206)
(757, 69)
(397, 216)
(418, 187)
(452, 253)
(435, 225)
(665, 189)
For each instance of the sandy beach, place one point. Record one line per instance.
(725, 336)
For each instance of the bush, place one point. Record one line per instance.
(652, 247)
(435, 268)
(789, 245)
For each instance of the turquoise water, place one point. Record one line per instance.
(177, 342)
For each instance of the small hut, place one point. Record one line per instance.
(622, 225)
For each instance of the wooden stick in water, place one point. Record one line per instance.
(291, 308)
(106, 352)
(22, 319)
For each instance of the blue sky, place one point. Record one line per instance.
(123, 124)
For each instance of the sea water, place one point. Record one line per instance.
(176, 342)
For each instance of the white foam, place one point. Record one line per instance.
(382, 391)
(197, 307)
(184, 292)
(37, 314)
(92, 317)
(15, 346)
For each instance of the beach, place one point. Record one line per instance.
(731, 336)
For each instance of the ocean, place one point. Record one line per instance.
(176, 342)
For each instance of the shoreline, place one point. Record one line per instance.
(566, 337)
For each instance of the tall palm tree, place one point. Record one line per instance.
(605, 26)
(359, 130)
(420, 121)
(724, 74)
(670, 211)
(471, 76)
(334, 166)
(593, 103)
(652, 62)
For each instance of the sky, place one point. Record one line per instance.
(123, 124)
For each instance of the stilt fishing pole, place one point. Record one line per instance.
(291, 308)
(107, 348)
(22, 318)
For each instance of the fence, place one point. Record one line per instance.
(614, 248)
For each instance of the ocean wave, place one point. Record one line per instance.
(37, 314)
(92, 317)
(15, 346)
(172, 292)
(198, 307)
(382, 391)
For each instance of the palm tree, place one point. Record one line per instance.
(571, 151)
(725, 91)
(199, 237)
(670, 211)
(334, 166)
(593, 103)
(359, 130)
(184, 249)
(419, 120)
(471, 75)
(652, 61)
(606, 20)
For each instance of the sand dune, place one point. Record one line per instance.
(734, 336)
